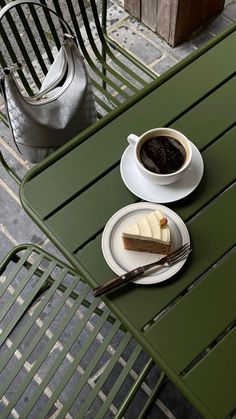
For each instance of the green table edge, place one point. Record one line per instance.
(79, 139)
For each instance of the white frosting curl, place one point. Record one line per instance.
(149, 228)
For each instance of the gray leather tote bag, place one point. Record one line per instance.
(62, 108)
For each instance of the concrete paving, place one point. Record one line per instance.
(15, 225)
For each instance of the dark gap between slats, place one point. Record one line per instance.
(192, 106)
(82, 190)
(94, 236)
(188, 289)
(209, 348)
(210, 202)
(115, 165)
(229, 128)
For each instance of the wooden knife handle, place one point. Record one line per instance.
(116, 282)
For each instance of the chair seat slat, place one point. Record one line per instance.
(32, 319)
(23, 307)
(58, 335)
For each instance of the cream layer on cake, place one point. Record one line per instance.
(149, 228)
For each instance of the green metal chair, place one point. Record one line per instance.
(63, 352)
(31, 35)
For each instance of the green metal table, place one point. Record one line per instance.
(187, 324)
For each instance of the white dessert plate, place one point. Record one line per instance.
(121, 260)
(148, 191)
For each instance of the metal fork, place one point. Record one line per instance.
(171, 259)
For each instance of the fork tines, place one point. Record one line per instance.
(179, 254)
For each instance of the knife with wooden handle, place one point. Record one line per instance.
(170, 259)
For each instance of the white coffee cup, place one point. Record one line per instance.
(157, 178)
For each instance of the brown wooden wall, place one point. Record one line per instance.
(174, 20)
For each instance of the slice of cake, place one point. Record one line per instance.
(150, 233)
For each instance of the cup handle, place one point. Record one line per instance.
(132, 139)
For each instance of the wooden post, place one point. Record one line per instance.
(174, 20)
(133, 7)
(149, 11)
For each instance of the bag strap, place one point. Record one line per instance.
(15, 3)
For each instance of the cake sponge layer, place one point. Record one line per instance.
(151, 233)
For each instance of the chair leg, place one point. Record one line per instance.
(104, 29)
(135, 388)
(9, 169)
(153, 395)
(104, 72)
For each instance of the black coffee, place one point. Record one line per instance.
(162, 154)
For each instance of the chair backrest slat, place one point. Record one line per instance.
(22, 47)
(49, 30)
(51, 25)
(32, 35)
(32, 40)
(100, 31)
(13, 57)
(41, 33)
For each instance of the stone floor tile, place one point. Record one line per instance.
(230, 11)
(115, 14)
(6, 244)
(136, 44)
(200, 38)
(163, 65)
(49, 247)
(17, 225)
(218, 24)
(177, 403)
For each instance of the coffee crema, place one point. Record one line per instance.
(162, 154)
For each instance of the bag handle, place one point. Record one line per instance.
(15, 3)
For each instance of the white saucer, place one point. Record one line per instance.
(148, 191)
(121, 260)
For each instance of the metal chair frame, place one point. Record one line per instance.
(114, 82)
(46, 306)
(116, 75)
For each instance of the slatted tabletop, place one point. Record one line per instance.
(188, 324)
